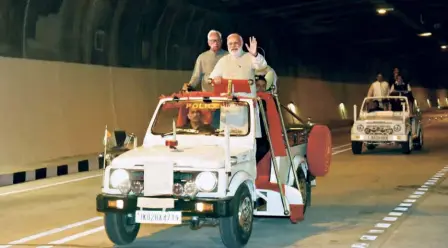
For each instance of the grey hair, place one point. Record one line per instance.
(214, 31)
(241, 38)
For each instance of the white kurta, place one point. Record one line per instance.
(242, 67)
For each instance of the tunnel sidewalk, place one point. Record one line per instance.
(427, 224)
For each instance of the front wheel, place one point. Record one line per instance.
(120, 227)
(406, 147)
(236, 229)
(356, 147)
(418, 144)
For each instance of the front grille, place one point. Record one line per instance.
(378, 130)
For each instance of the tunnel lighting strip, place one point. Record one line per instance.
(400, 210)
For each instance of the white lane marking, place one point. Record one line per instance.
(383, 225)
(73, 237)
(48, 185)
(341, 146)
(398, 211)
(401, 209)
(387, 218)
(96, 218)
(360, 245)
(341, 151)
(395, 214)
(50, 232)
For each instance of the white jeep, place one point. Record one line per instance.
(202, 162)
(386, 120)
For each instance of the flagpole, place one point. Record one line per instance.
(105, 148)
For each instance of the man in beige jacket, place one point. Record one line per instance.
(206, 61)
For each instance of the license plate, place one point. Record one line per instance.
(377, 137)
(158, 217)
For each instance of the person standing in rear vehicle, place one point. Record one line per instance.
(379, 88)
(206, 61)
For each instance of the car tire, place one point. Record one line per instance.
(118, 230)
(233, 234)
(418, 143)
(356, 147)
(406, 147)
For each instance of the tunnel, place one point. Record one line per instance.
(72, 68)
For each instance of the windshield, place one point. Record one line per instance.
(195, 117)
(384, 104)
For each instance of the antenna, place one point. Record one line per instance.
(263, 53)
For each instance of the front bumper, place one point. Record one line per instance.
(379, 138)
(113, 203)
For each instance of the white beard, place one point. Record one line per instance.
(236, 53)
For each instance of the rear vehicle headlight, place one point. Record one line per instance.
(360, 128)
(397, 128)
(206, 181)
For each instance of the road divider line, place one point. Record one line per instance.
(399, 211)
(73, 237)
(50, 232)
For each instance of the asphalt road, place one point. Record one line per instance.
(357, 193)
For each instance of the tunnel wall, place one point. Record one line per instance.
(54, 109)
(70, 67)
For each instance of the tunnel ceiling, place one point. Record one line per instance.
(353, 23)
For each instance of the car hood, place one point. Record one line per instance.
(204, 156)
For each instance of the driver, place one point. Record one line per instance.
(196, 122)
(375, 106)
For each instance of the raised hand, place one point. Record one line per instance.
(252, 47)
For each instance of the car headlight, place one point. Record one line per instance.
(206, 181)
(360, 128)
(118, 178)
(397, 128)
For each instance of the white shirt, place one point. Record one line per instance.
(242, 67)
(379, 89)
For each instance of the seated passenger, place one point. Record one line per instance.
(196, 122)
(375, 106)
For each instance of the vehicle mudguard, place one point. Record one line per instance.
(238, 179)
(319, 150)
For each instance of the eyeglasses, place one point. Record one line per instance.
(214, 41)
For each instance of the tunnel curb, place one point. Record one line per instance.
(82, 165)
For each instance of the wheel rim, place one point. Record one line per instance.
(245, 214)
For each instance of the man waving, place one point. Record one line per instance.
(239, 64)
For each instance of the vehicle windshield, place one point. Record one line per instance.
(196, 117)
(380, 104)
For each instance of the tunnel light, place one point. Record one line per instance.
(438, 103)
(446, 100)
(443, 47)
(415, 102)
(429, 103)
(342, 111)
(383, 11)
(426, 34)
(292, 107)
